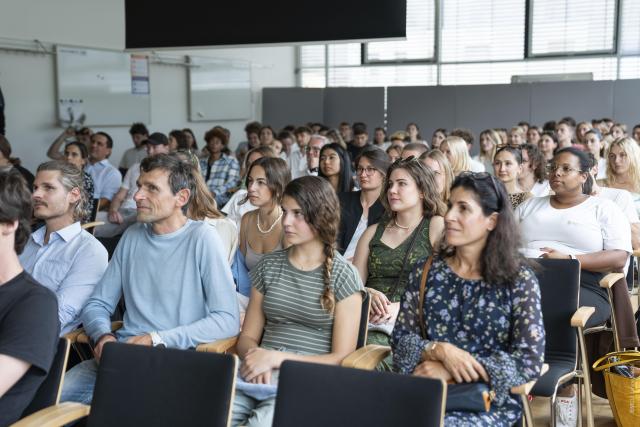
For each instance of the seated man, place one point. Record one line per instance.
(28, 312)
(122, 211)
(139, 135)
(173, 274)
(61, 255)
(106, 178)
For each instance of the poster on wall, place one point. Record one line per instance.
(139, 75)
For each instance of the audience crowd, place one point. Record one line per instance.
(280, 241)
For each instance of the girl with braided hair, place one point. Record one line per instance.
(305, 301)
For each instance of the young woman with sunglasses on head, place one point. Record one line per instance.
(571, 224)
(305, 300)
(360, 209)
(477, 280)
(411, 228)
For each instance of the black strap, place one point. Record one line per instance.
(406, 256)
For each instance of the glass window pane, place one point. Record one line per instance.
(572, 26)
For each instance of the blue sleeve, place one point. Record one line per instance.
(523, 361)
(223, 318)
(112, 183)
(407, 343)
(77, 286)
(96, 315)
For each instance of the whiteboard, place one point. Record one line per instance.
(108, 87)
(219, 89)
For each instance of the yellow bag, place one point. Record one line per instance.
(623, 392)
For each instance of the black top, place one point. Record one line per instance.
(350, 214)
(28, 176)
(29, 329)
(354, 151)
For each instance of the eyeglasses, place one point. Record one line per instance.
(564, 169)
(484, 176)
(368, 171)
(312, 149)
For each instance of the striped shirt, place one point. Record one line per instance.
(295, 320)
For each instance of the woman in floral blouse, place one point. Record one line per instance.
(481, 311)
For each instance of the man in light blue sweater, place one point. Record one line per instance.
(173, 274)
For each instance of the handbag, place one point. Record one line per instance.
(471, 397)
(621, 371)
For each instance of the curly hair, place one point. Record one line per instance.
(425, 180)
(321, 210)
(537, 161)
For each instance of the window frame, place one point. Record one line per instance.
(528, 38)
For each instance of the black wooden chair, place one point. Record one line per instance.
(138, 385)
(315, 395)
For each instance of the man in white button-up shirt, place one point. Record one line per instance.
(61, 255)
(106, 178)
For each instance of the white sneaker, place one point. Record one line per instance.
(567, 411)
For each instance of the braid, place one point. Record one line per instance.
(327, 300)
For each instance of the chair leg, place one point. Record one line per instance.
(552, 402)
(579, 397)
(526, 410)
(585, 376)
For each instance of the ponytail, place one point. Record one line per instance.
(327, 299)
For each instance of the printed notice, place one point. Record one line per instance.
(140, 75)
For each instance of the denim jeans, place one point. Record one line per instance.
(250, 412)
(79, 382)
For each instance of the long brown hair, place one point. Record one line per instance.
(277, 173)
(432, 203)
(321, 210)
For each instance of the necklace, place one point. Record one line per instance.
(272, 225)
(402, 226)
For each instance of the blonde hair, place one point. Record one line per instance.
(460, 153)
(495, 138)
(631, 149)
(437, 156)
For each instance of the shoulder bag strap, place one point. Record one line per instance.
(423, 287)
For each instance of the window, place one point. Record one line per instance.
(561, 27)
(630, 24)
(420, 42)
(482, 30)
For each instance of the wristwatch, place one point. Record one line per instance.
(429, 348)
(156, 341)
(572, 256)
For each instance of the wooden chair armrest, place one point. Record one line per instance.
(220, 346)
(366, 357)
(80, 337)
(92, 224)
(56, 415)
(636, 253)
(580, 317)
(611, 278)
(524, 389)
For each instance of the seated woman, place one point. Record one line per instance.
(438, 163)
(305, 301)
(386, 251)
(507, 166)
(360, 209)
(489, 141)
(437, 137)
(623, 168)
(571, 224)
(533, 177)
(335, 167)
(456, 151)
(593, 145)
(548, 145)
(237, 205)
(394, 152)
(476, 282)
(77, 154)
(261, 231)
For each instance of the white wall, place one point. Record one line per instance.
(28, 80)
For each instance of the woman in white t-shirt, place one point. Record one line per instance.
(572, 224)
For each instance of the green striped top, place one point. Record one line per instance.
(295, 320)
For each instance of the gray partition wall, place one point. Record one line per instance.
(475, 107)
(292, 105)
(354, 104)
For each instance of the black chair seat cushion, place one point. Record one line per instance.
(546, 384)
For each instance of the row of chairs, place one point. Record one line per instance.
(135, 379)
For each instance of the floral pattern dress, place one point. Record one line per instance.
(500, 325)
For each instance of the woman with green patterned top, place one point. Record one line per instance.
(412, 226)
